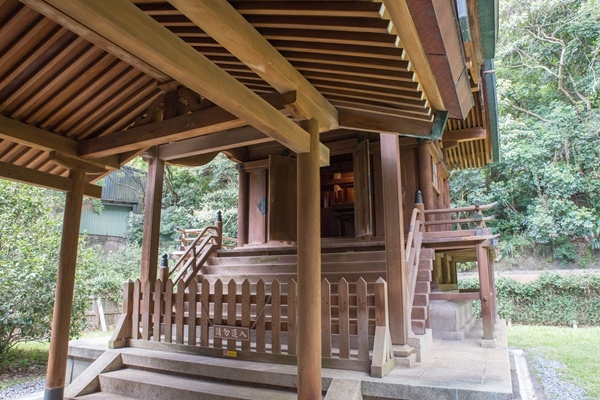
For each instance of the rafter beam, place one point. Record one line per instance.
(215, 142)
(381, 123)
(464, 135)
(125, 25)
(65, 148)
(399, 13)
(227, 26)
(207, 121)
(44, 179)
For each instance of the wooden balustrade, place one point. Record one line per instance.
(257, 321)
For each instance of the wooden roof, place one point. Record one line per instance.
(92, 84)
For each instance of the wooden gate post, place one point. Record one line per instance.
(486, 293)
(65, 284)
(309, 269)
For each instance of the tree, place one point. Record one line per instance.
(30, 235)
(548, 183)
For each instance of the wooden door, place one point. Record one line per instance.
(363, 197)
(282, 198)
(257, 206)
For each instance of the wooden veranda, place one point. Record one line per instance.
(337, 112)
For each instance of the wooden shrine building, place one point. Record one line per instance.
(337, 113)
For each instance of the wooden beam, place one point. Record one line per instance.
(27, 135)
(207, 121)
(381, 123)
(125, 25)
(464, 135)
(44, 179)
(219, 141)
(399, 15)
(224, 24)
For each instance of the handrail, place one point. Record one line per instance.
(413, 256)
(475, 207)
(192, 246)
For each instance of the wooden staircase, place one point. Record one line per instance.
(420, 309)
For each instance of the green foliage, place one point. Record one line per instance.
(192, 197)
(29, 251)
(548, 182)
(553, 299)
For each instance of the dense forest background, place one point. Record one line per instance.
(547, 183)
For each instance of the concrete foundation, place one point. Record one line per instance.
(451, 320)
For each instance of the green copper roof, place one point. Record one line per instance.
(488, 25)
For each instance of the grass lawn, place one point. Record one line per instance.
(27, 361)
(578, 349)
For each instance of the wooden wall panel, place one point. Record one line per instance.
(363, 198)
(257, 207)
(282, 198)
(410, 182)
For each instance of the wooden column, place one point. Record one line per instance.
(487, 300)
(63, 302)
(243, 185)
(396, 266)
(426, 179)
(309, 269)
(152, 209)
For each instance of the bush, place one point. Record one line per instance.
(553, 299)
(29, 255)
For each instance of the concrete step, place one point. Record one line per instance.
(147, 385)
(103, 396)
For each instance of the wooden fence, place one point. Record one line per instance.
(257, 321)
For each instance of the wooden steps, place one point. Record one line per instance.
(420, 309)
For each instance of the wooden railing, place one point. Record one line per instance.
(413, 251)
(257, 321)
(195, 254)
(462, 217)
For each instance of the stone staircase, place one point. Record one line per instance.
(156, 375)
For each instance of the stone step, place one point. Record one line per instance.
(139, 384)
(103, 396)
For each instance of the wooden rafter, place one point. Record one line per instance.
(44, 179)
(66, 148)
(399, 14)
(218, 141)
(128, 27)
(203, 122)
(225, 25)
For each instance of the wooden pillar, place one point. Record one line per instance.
(309, 269)
(487, 299)
(152, 209)
(243, 186)
(396, 266)
(426, 179)
(63, 302)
